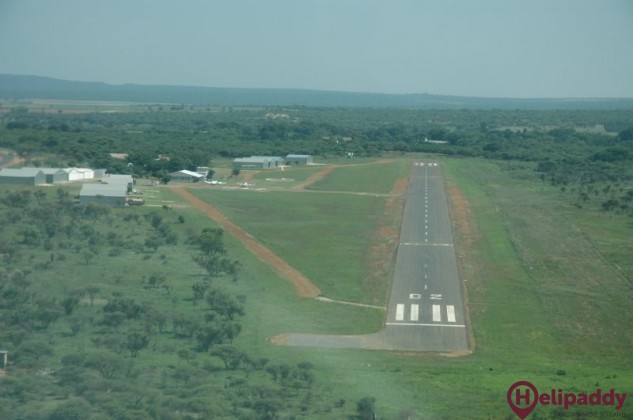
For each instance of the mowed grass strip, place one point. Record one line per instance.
(376, 177)
(324, 236)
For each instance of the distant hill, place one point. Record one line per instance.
(36, 87)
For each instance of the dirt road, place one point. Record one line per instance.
(304, 287)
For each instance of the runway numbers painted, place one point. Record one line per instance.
(436, 296)
(400, 312)
(437, 314)
(450, 313)
(415, 296)
(414, 312)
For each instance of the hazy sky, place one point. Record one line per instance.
(501, 48)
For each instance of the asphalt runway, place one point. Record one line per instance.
(425, 311)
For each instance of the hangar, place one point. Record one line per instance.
(53, 175)
(298, 160)
(110, 194)
(185, 176)
(258, 162)
(24, 176)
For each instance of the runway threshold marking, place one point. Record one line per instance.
(450, 313)
(415, 311)
(400, 312)
(437, 313)
(412, 324)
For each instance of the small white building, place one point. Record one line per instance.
(185, 176)
(78, 174)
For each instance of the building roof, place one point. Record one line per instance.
(48, 171)
(106, 190)
(78, 169)
(291, 156)
(117, 178)
(257, 159)
(190, 173)
(21, 173)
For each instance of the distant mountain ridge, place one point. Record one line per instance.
(19, 87)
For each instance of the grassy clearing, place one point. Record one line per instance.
(375, 178)
(325, 236)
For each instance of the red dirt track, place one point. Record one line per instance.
(304, 287)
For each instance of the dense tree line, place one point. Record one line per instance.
(124, 347)
(195, 136)
(568, 147)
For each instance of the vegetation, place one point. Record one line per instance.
(155, 312)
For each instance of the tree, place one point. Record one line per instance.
(224, 304)
(75, 409)
(208, 335)
(153, 243)
(235, 172)
(230, 356)
(211, 242)
(135, 342)
(106, 363)
(366, 408)
(92, 292)
(69, 303)
(199, 289)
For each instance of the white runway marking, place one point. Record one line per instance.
(450, 313)
(410, 324)
(415, 296)
(436, 296)
(437, 314)
(414, 312)
(399, 312)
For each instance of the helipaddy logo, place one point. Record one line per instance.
(523, 398)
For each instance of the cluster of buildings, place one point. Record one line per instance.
(41, 176)
(110, 189)
(271, 162)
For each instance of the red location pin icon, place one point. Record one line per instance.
(515, 398)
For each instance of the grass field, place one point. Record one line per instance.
(546, 302)
(377, 177)
(530, 293)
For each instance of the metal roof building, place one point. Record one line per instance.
(112, 179)
(24, 176)
(53, 175)
(258, 162)
(185, 176)
(298, 159)
(111, 194)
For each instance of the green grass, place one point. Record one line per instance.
(325, 236)
(519, 311)
(368, 178)
(526, 284)
(529, 277)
